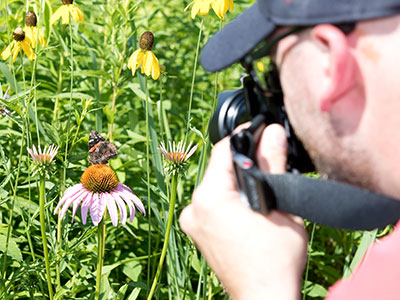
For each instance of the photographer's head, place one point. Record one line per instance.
(339, 85)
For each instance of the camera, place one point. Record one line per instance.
(254, 99)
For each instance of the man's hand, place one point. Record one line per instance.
(255, 256)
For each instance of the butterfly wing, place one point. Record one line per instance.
(100, 150)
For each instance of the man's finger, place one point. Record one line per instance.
(271, 154)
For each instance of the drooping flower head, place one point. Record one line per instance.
(145, 57)
(202, 7)
(42, 159)
(21, 41)
(32, 31)
(99, 189)
(64, 11)
(220, 7)
(176, 157)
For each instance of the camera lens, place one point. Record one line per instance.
(231, 111)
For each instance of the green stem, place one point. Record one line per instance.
(59, 86)
(43, 231)
(308, 260)
(148, 179)
(174, 184)
(59, 235)
(100, 253)
(193, 79)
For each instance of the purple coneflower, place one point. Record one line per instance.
(177, 156)
(45, 157)
(99, 189)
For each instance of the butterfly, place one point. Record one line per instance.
(100, 150)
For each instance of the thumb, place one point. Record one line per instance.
(271, 153)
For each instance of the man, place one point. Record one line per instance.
(341, 93)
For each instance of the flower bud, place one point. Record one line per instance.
(19, 34)
(146, 40)
(30, 18)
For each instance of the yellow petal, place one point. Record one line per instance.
(195, 8)
(76, 13)
(56, 15)
(147, 63)
(31, 33)
(7, 52)
(200, 7)
(15, 51)
(204, 7)
(230, 5)
(189, 5)
(80, 14)
(41, 38)
(218, 7)
(155, 67)
(65, 13)
(133, 61)
(27, 49)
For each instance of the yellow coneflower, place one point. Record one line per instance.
(32, 31)
(145, 57)
(200, 7)
(220, 7)
(20, 41)
(68, 8)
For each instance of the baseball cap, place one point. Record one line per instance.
(255, 24)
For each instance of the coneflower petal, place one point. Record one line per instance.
(76, 203)
(85, 207)
(127, 194)
(69, 201)
(97, 208)
(65, 14)
(69, 192)
(112, 208)
(56, 15)
(128, 202)
(121, 205)
(192, 151)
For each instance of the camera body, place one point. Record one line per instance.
(238, 106)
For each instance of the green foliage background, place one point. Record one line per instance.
(40, 99)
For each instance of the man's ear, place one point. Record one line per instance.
(340, 73)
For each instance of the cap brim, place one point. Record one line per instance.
(236, 39)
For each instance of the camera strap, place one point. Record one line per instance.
(331, 203)
(325, 202)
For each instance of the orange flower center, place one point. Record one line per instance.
(43, 157)
(177, 156)
(99, 179)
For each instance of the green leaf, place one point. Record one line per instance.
(10, 78)
(135, 293)
(13, 249)
(367, 239)
(314, 290)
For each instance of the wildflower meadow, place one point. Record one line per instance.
(104, 113)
